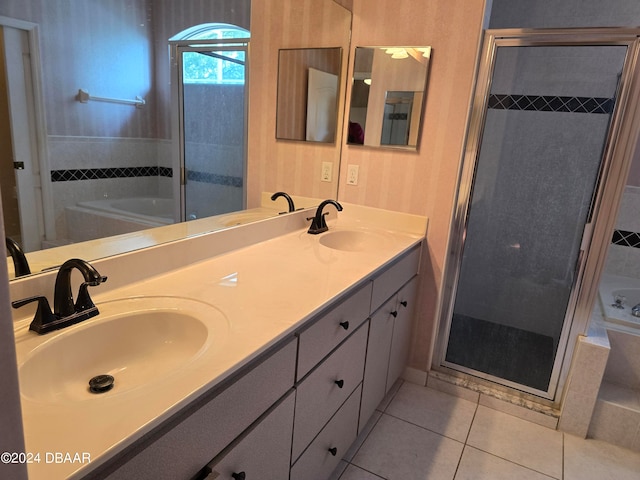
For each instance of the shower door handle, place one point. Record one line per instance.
(18, 165)
(577, 267)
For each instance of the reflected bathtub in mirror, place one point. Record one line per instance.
(388, 96)
(308, 88)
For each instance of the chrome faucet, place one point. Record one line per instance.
(318, 224)
(292, 207)
(635, 311)
(65, 311)
(20, 264)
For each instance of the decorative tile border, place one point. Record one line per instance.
(542, 103)
(131, 172)
(102, 173)
(626, 239)
(205, 177)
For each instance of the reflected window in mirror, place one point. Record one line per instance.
(308, 88)
(388, 96)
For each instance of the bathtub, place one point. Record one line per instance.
(627, 290)
(155, 211)
(113, 216)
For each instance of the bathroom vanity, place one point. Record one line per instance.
(302, 336)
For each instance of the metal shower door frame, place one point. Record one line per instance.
(620, 145)
(176, 49)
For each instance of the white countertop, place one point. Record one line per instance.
(266, 291)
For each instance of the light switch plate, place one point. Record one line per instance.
(327, 171)
(352, 174)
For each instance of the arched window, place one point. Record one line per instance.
(223, 66)
(211, 31)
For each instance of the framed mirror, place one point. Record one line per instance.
(308, 89)
(388, 96)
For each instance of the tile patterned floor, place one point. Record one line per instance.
(424, 434)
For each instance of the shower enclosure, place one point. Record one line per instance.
(210, 100)
(547, 116)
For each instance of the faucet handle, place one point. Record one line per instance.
(43, 316)
(318, 227)
(84, 302)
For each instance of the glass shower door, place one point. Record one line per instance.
(213, 114)
(546, 125)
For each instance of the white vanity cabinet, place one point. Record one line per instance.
(324, 453)
(326, 388)
(262, 453)
(389, 332)
(206, 430)
(294, 412)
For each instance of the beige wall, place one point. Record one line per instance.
(422, 182)
(291, 166)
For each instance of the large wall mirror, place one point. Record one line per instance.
(88, 159)
(308, 88)
(388, 96)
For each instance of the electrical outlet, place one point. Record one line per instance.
(352, 174)
(327, 170)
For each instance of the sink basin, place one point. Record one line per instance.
(355, 240)
(138, 341)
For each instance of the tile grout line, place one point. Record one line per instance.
(464, 445)
(505, 459)
(514, 463)
(425, 428)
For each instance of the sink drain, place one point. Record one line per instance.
(101, 383)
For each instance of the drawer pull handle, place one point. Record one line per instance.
(333, 451)
(345, 324)
(340, 383)
(239, 476)
(394, 313)
(404, 303)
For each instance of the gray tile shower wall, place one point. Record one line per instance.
(107, 167)
(623, 257)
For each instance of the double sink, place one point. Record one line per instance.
(141, 341)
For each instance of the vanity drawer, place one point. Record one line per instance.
(394, 277)
(262, 453)
(182, 451)
(317, 462)
(336, 325)
(326, 388)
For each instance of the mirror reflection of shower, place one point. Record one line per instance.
(396, 123)
(388, 96)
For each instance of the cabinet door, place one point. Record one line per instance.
(265, 452)
(401, 341)
(377, 361)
